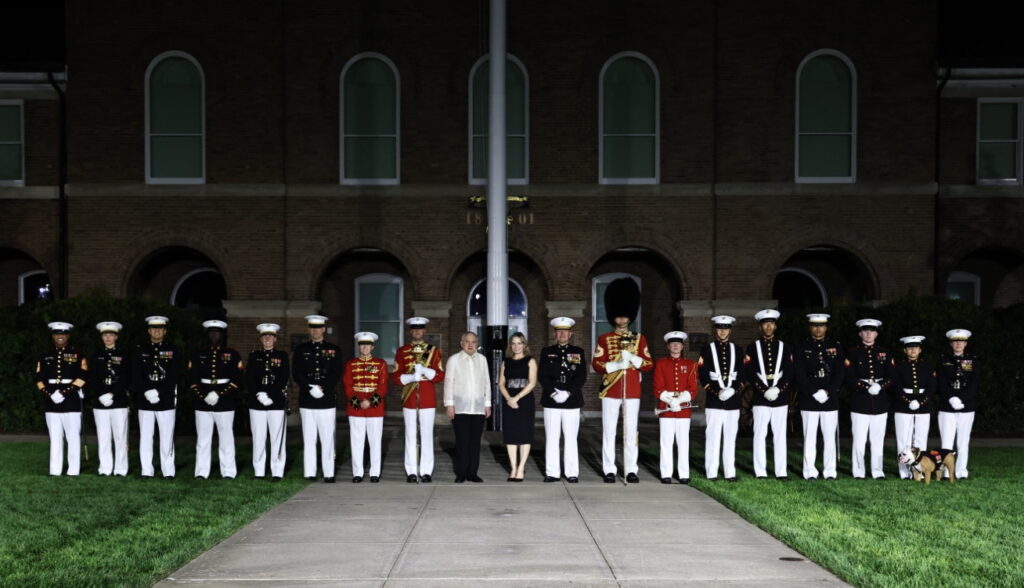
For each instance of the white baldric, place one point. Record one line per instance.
(715, 375)
(760, 366)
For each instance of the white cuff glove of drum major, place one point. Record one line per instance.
(106, 399)
(914, 405)
(263, 399)
(57, 397)
(726, 394)
(560, 396)
(211, 398)
(771, 394)
(316, 391)
(956, 403)
(407, 379)
(821, 396)
(874, 389)
(152, 396)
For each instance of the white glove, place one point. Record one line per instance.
(57, 397)
(264, 399)
(428, 373)
(914, 405)
(211, 398)
(685, 397)
(674, 406)
(106, 399)
(771, 394)
(637, 361)
(81, 394)
(821, 396)
(614, 366)
(152, 396)
(405, 379)
(874, 389)
(417, 370)
(560, 396)
(956, 403)
(316, 391)
(666, 397)
(626, 355)
(726, 394)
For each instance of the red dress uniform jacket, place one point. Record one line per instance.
(675, 375)
(625, 383)
(421, 394)
(366, 379)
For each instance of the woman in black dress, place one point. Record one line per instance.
(517, 380)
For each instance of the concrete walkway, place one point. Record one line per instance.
(499, 533)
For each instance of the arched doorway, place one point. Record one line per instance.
(182, 277)
(518, 309)
(821, 276)
(991, 277)
(22, 278)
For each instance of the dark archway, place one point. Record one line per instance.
(820, 276)
(22, 278)
(991, 277)
(183, 277)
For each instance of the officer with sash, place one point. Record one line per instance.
(769, 370)
(417, 370)
(155, 368)
(316, 368)
(60, 378)
(266, 379)
(721, 370)
(561, 373)
(216, 375)
(620, 356)
(818, 372)
(109, 377)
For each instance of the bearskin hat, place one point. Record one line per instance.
(621, 298)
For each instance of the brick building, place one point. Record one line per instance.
(263, 161)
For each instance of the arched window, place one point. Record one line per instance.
(629, 120)
(826, 119)
(369, 121)
(199, 289)
(33, 285)
(175, 120)
(12, 152)
(964, 286)
(517, 121)
(598, 320)
(379, 305)
(476, 309)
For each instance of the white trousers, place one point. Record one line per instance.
(559, 422)
(65, 425)
(675, 431)
(828, 422)
(205, 422)
(911, 431)
(774, 416)
(424, 417)
(318, 423)
(112, 439)
(956, 426)
(610, 424)
(148, 420)
(361, 429)
(868, 427)
(722, 426)
(262, 422)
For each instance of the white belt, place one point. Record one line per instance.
(59, 381)
(217, 381)
(910, 390)
(868, 381)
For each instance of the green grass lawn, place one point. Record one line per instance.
(891, 532)
(109, 531)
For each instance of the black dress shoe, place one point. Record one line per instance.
(355, 479)
(782, 478)
(666, 480)
(573, 480)
(730, 479)
(632, 478)
(275, 479)
(459, 479)
(811, 479)
(549, 479)
(374, 479)
(510, 479)
(609, 478)
(411, 478)
(197, 477)
(760, 477)
(311, 478)
(172, 477)
(229, 477)
(476, 479)
(329, 480)
(830, 477)
(426, 479)
(684, 481)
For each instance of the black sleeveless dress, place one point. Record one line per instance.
(517, 424)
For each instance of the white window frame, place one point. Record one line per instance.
(21, 140)
(476, 324)
(1020, 143)
(21, 283)
(381, 278)
(341, 125)
(657, 123)
(971, 278)
(526, 122)
(635, 326)
(202, 110)
(852, 178)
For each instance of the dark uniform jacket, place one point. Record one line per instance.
(218, 370)
(818, 365)
(869, 363)
(317, 364)
(267, 371)
(753, 368)
(914, 380)
(155, 366)
(109, 372)
(958, 376)
(728, 353)
(563, 367)
(62, 369)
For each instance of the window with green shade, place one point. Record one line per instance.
(629, 121)
(516, 121)
(369, 121)
(12, 147)
(999, 141)
(379, 304)
(826, 138)
(599, 324)
(175, 120)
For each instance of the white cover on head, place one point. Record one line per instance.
(109, 327)
(366, 337)
(268, 328)
(562, 322)
(818, 318)
(157, 321)
(417, 322)
(723, 320)
(60, 326)
(958, 334)
(215, 324)
(912, 340)
(315, 320)
(767, 314)
(675, 335)
(868, 322)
